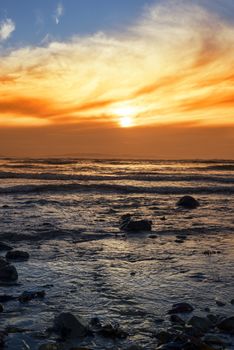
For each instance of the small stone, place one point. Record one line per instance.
(220, 303)
(164, 337)
(181, 308)
(232, 301)
(188, 202)
(1, 308)
(70, 326)
(17, 255)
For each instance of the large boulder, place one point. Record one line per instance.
(8, 272)
(70, 326)
(130, 225)
(17, 255)
(188, 202)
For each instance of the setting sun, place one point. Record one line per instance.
(126, 122)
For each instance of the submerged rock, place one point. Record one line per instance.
(17, 255)
(4, 247)
(188, 202)
(8, 272)
(70, 326)
(27, 296)
(1, 308)
(181, 308)
(127, 224)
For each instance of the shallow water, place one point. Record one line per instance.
(69, 224)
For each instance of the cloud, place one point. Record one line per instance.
(7, 27)
(174, 65)
(58, 13)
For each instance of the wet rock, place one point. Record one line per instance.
(214, 339)
(176, 319)
(5, 247)
(227, 325)
(220, 303)
(164, 337)
(50, 346)
(188, 202)
(129, 225)
(8, 272)
(4, 298)
(70, 326)
(232, 301)
(1, 308)
(181, 308)
(17, 255)
(134, 347)
(201, 323)
(214, 318)
(112, 330)
(27, 296)
(171, 346)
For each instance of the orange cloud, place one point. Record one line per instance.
(173, 66)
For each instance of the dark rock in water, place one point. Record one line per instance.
(232, 301)
(107, 329)
(188, 202)
(164, 337)
(181, 308)
(8, 272)
(220, 303)
(4, 247)
(5, 206)
(227, 325)
(176, 319)
(201, 323)
(5, 298)
(127, 224)
(17, 255)
(70, 326)
(215, 339)
(27, 296)
(1, 308)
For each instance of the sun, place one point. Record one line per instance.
(126, 115)
(126, 122)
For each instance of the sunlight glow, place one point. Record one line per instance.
(126, 122)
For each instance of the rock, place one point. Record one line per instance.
(181, 308)
(5, 298)
(50, 346)
(4, 247)
(215, 339)
(227, 325)
(220, 303)
(27, 296)
(232, 301)
(129, 225)
(17, 255)
(176, 319)
(112, 330)
(164, 337)
(70, 326)
(188, 202)
(201, 323)
(8, 272)
(1, 308)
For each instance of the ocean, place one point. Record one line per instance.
(66, 214)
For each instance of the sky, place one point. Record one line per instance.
(126, 78)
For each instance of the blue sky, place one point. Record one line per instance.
(58, 20)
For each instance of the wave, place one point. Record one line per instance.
(108, 188)
(131, 177)
(223, 167)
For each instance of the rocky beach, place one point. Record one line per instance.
(116, 254)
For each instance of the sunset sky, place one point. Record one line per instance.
(132, 78)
